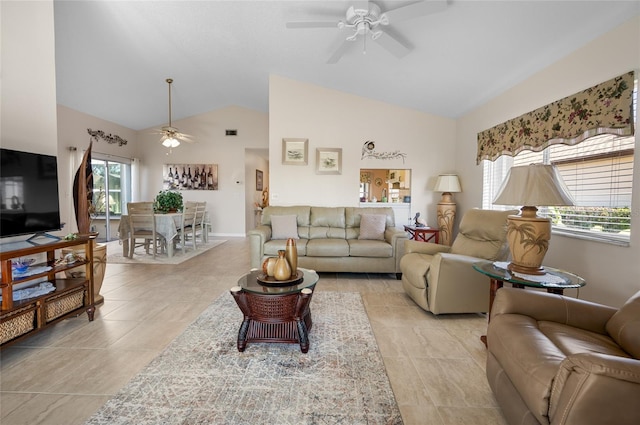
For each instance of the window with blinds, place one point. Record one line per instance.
(599, 174)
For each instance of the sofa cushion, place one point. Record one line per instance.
(372, 226)
(482, 234)
(284, 227)
(326, 222)
(571, 340)
(272, 247)
(327, 248)
(301, 212)
(353, 216)
(327, 217)
(624, 326)
(326, 233)
(370, 248)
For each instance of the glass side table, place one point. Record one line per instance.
(554, 281)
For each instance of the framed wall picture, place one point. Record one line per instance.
(259, 183)
(329, 161)
(295, 151)
(190, 177)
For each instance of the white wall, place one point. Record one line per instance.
(72, 132)
(333, 119)
(611, 271)
(226, 206)
(28, 84)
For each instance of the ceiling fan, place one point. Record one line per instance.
(365, 18)
(171, 137)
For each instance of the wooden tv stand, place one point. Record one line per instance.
(71, 297)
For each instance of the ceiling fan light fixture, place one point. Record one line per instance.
(171, 143)
(171, 136)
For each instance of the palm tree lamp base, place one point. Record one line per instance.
(446, 215)
(528, 236)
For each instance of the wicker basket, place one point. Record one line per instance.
(63, 304)
(17, 323)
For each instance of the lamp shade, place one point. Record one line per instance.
(171, 142)
(447, 183)
(531, 185)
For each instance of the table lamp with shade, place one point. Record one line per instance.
(527, 233)
(447, 184)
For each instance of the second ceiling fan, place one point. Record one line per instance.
(171, 137)
(366, 19)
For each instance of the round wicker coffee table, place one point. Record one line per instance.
(275, 313)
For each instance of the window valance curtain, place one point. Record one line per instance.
(602, 109)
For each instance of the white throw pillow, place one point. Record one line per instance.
(372, 226)
(284, 227)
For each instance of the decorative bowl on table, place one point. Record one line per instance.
(296, 279)
(21, 265)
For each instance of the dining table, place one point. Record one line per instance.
(167, 225)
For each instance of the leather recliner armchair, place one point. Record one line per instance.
(441, 279)
(563, 361)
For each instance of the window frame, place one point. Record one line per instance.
(495, 172)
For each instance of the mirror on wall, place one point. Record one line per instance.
(385, 185)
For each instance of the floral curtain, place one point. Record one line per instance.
(606, 108)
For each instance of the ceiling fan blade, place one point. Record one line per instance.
(296, 25)
(393, 45)
(415, 10)
(335, 57)
(184, 138)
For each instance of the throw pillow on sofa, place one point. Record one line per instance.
(372, 226)
(284, 227)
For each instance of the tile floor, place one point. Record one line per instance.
(65, 373)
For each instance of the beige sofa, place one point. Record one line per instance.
(331, 238)
(559, 360)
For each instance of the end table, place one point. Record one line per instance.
(554, 281)
(424, 234)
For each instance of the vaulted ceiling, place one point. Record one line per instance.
(113, 57)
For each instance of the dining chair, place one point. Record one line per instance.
(142, 225)
(187, 225)
(200, 225)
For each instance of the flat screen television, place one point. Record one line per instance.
(28, 193)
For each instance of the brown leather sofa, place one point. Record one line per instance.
(558, 360)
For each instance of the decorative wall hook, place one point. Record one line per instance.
(109, 138)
